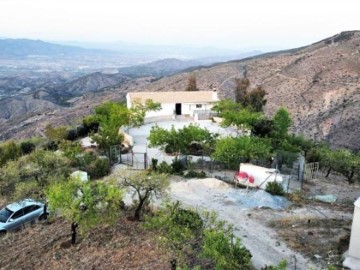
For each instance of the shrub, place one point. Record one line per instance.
(9, 150)
(177, 166)
(281, 266)
(51, 146)
(27, 147)
(154, 163)
(194, 174)
(275, 188)
(98, 168)
(163, 167)
(71, 134)
(28, 189)
(188, 218)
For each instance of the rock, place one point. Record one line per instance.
(325, 198)
(56, 256)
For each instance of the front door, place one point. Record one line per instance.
(178, 108)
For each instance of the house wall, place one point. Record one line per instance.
(354, 248)
(186, 109)
(189, 108)
(166, 109)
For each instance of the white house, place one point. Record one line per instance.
(189, 103)
(353, 259)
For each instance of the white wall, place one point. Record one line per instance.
(166, 109)
(189, 108)
(354, 248)
(186, 109)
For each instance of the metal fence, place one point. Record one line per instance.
(135, 160)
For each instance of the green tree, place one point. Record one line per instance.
(85, 204)
(282, 122)
(243, 119)
(232, 151)
(262, 127)
(241, 94)
(145, 185)
(191, 86)
(342, 161)
(179, 140)
(256, 98)
(236, 114)
(226, 105)
(111, 116)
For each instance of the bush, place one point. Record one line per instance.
(177, 166)
(275, 188)
(98, 168)
(194, 174)
(163, 167)
(28, 189)
(188, 218)
(154, 163)
(225, 250)
(41, 166)
(27, 147)
(51, 146)
(9, 150)
(71, 134)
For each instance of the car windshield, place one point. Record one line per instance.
(5, 214)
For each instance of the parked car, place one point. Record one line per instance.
(15, 215)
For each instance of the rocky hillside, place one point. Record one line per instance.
(319, 84)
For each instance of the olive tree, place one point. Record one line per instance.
(85, 204)
(144, 186)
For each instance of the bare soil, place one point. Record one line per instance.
(308, 235)
(47, 246)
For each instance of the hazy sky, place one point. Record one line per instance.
(216, 23)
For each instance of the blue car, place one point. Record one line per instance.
(17, 214)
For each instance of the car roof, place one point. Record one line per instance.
(21, 204)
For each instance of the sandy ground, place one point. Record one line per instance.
(237, 207)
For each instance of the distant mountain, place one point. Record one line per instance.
(319, 84)
(20, 48)
(167, 51)
(89, 83)
(159, 68)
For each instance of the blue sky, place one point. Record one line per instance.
(216, 23)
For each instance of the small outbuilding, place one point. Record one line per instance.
(353, 259)
(174, 103)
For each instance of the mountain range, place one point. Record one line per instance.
(319, 85)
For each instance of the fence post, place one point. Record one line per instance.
(145, 161)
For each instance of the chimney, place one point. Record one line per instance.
(214, 95)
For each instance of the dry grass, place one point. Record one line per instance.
(47, 246)
(311, 236)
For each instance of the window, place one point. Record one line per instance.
(198, 106)
(5, 214)
(31, 208)
(18, 214)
